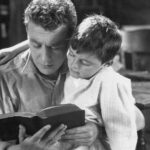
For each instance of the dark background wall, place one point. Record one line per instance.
(123, 12)
(129, 11)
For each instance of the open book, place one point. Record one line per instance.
(68, 114)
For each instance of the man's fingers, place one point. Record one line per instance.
(39, 135)
(56, 134)
(22, 133)
(77, 130)
(77, 142)
(75, 136)
(58, 130)
(2, 56)
(3, 59)
(84, 135)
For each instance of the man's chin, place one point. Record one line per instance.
(47, 72)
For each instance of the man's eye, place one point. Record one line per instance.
(36, 45)
(57, 48)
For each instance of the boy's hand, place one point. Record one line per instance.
(6, 55)
(39, 140)
(84, 135)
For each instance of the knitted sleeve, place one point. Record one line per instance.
(118, 114)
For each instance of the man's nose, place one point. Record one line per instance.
(46, 56)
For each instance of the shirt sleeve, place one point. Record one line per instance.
(1, 95)
(118, 114)
(3, 144)
(6, 103)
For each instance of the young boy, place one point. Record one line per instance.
(93, 85)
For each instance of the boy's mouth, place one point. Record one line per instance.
(74, 73)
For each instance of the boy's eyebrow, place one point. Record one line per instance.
(85, 59)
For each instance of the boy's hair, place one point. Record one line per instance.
(50, 14)
(99, 35)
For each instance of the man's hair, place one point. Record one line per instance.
(99, 35)
(50, 14)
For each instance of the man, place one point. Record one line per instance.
(34, 79)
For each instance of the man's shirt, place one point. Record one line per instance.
(23, 88)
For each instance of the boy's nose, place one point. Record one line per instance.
(75, 65)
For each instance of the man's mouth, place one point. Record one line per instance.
(47, 66)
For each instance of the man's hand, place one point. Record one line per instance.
(84, 135)
(43, 139)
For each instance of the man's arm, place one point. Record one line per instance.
(7, 54)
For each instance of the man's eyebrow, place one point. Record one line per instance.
(61, 42)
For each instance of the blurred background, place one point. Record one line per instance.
(133, 61)
(123, 12)
(132, 16)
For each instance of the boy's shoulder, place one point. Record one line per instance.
(109, 75)
(112, 82)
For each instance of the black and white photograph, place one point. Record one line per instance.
(74, 74)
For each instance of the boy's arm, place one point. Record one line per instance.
(7, 54)
(140, 120)
(118, 113)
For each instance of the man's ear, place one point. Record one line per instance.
(26, 27)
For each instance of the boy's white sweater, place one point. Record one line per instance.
(107, 100)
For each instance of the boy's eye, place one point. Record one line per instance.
(84, 62)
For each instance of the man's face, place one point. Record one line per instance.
(48, 48)
(82, 65)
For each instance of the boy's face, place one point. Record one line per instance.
(48, 48)
(82, 65)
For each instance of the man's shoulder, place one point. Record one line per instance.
(15, 63)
